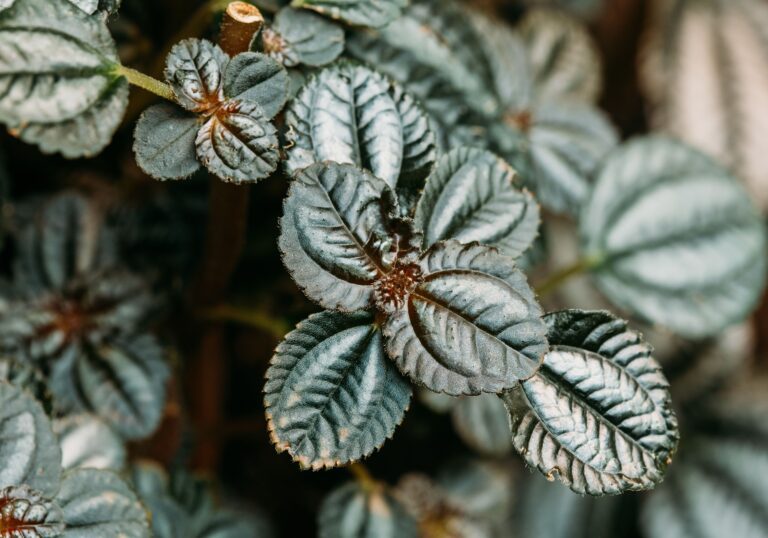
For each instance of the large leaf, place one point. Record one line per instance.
(358, 12)
(195, 70)
(703, 68)
(98, 503)
(597, 415)
(24, 513)
(471, 325)
(677, 239)
(332, 396)
(121, 381)
(351, 114)
(87, 442)
(483, 423)
(164, 142)
(58, 87)
(330, 234)
(28, 447)
(255, 77)
(353, 511)
(471, 197)
(302, 37)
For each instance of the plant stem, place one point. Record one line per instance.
(152, 85)
(561, 277)
(363, 476)
(249, 317)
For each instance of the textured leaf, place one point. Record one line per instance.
(238, 144)
(164, 142)
(252, 76)
(482, 422)
(471, 325)
(26, 376)
(28, 447)
(24, 513)
(58, 87)
(332, 396)
(123, 382)
(704, 69)
(98, 503)
(351, 114)
(597, 415)
(358, 12)
(331, 231)
(354, 512)
(699, 264)
(91, 6)
(302, 37)
(471, 197)
(564, 60)
(87, 442)
(195, 70)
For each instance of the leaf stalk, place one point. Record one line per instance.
(145, 82)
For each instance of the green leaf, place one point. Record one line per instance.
(301, 37)
(25, 513)
(25, 375)
(374, 13)
(597, 415)
(699, 264)
(483, 490)
(351, 114)
(28, 447)
(98, 503)
(123, 382)
(331, 234)
(471, 197)
(482, 422)
(352, 511)
(195, 70)
(252, 76)
(332, 396)
(58, 85)
(471, 325)
(87, 442)
(164, 142)
(238, 144)
(91, 6)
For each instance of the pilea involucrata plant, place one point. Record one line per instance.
(437, 177)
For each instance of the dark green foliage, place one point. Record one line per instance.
(299, 37)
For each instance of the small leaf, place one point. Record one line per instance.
(352, 511)
(597, 415)
(302, 37)
(164, 142)
(471, 325)
(252, 76)
(123, 382)
(351, 114)
(87, 442)
(58, 88)
(482, 422)
(98, 503)
(24, 513)
(699, 264)
(332, 396)
(331, 228)
(238, 144)
(195, 70)
(374, 13)
(471, 197)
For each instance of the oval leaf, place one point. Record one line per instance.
(359, 12)
(699, 264)
(25, 513)
(164, 142)
(238, 144)
(87, 442)
(58, 83)
(472, 325)
(28, 446)
(482, 422)
(597, 415)
(301, 37)
(332, 396)
(353, 511)
(351, 114)
(252, 76)
(332, 223)
(98, 503)
(195, 70)
(470, 197)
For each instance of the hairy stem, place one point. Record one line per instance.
(564, 275)
(152, 85)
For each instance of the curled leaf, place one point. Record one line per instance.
(255, 77)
